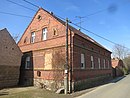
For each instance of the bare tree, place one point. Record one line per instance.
(126, 60)
(58, 67)
(120, 51)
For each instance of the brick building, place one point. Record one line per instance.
(43, 46)
(117, 65)
(10, 60)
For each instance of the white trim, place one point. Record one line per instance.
(92, 62)
(82, 61)
(99, 63)
(104, 63)
(44, 33)
(27, 61)
(32, 37)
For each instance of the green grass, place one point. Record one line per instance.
(35, 93)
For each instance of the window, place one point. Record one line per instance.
(54, 32)
(99, 63)
(108, 64)
(25, 40)
(27, 63)
(82, 61)
(33, 37)
(39, 17)
(104, 63)
(44, 34)
(39, 73)
(48, 61)
(92, 62)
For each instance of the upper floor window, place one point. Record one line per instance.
(27, 62)
(92, 62)
(82, 61)
(44, 34)
(99, 63)
(33, 37)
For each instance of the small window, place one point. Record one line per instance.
(27, 62)
(39, 17)
(92, 62)
(33, 37)
(39, 73)
(25, 40)
(54, 32)
(44, 34)
(82, 61)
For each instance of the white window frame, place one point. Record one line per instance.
(92, 62)
(82, 61)
(99, 63)
(44, 34)
(32, 37)
(27, 62)
(108, 64)
(104, 63)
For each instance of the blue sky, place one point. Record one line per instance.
(112, 23)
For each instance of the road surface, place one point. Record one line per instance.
(120, 89)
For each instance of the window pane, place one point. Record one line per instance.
(44, 34)
(82, 61)
(33, 37)
(27, 62)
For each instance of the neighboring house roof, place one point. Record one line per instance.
(10, 54)
(71, 28)
(117, 63)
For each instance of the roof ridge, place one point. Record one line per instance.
(78, 31)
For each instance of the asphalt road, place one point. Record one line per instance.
(120, 89)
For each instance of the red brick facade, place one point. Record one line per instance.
(48, 56)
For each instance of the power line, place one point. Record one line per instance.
(20, 5)
(31, 3)
(63, 19)
(15, 14)
(93, 33)
(94, 13)
(99, 36)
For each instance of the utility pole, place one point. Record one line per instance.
(66, 65)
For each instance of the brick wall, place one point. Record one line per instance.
(89, 49)
(10, 59)
(42, 49)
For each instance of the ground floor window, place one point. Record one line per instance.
(82, 61)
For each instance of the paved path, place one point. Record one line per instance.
(120, 89)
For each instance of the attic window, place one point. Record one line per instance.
(39, 17)
(54, 32)
(25, 40)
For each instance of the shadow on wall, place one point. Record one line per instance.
(26, 70)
